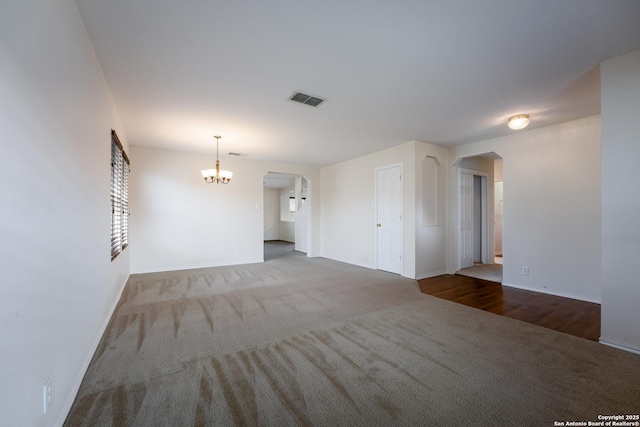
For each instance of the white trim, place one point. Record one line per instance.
(429, 275)
(558, 294)
(85, 366)
(619, 347)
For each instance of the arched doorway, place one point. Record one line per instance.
(478, 230)
(286, 214)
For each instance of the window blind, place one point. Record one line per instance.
(119, 197)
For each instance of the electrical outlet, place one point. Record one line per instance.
(525, 271)
(46, 395)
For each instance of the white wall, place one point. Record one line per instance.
(179, 222)
(271, 200)
(551, 206)
(348, 210)
(288, 231)
(432, 241)
(348, 207)
(59, 285)
(497, 170)
(620, 201)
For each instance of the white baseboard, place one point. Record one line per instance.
(76, 386)
(429, 275)
(558, 294)
(620, 347)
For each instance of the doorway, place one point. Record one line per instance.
(474, 245)
(478, 234)
(286, 213)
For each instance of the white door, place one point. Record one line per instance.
(466, 220)
(389, 219)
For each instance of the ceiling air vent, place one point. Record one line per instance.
(306, 99)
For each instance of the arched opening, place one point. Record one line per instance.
(286, 214)
(479, 216)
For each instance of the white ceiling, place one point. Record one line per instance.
(445, 72)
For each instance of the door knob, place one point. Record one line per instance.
(379, 225)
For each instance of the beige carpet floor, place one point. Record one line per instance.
(299, 341)
(490, 272)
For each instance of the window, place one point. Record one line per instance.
(292, 208)
(119, 197)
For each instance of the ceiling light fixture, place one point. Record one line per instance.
(518, 122)
(216, 175)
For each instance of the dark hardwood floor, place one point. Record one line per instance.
(570, 316)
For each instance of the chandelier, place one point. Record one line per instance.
(216, 175)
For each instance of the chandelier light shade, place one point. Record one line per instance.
(518, 122)
(216, 175)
